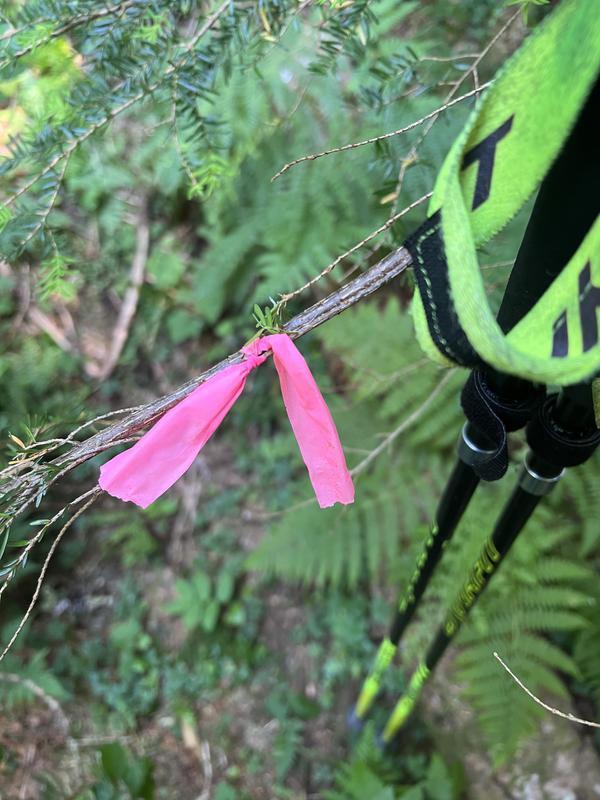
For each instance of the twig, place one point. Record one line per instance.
(387, 224)
(406, 423)
(100, 417)
(51, 203)
(130, 300)
(555, 711)
(456, 57)
(373, 139)
(49, 445)
(94, 496)
(42, 530)
(412, 154)
(46, 324)
(207, 769)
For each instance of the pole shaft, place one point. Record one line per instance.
(517, 511)
(458, 492)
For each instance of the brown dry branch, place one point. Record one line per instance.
(36, 690)
(43, 447)
(47, 325)
(555, 711)
(23, 489)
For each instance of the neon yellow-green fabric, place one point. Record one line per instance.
(527, 114)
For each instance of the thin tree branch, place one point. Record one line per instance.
(411, 157)
(75, 22)
(21, 490)
(555, 711)
(36, 689)
(46, 324)
(406, 423)
(93, 497)
(40, 533)
(373, 139)
(387, 224)
(51, 203)
(456, 57)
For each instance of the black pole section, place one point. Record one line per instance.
(562, 434)
(456, 496)
(519, 508)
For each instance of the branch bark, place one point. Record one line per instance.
(21, 490)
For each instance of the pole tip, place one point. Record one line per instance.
(354, 722)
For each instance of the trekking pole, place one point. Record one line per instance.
(563, 434)
(495, 403)
(464, 479)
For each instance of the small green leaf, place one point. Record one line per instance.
(5, 217)
(3, 541)
(224, 791)
(202, 586)
(114, 761)
(235, 616)
(438, 783)
(211, 615)
(225, 586)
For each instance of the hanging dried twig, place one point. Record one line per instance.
(555, 711)
(373, 139)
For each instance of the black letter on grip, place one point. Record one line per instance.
(484, 152)
(589, 302)
(560, 337)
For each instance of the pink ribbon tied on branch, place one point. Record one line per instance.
(161, 456)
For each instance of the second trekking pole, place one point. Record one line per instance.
(563, 434)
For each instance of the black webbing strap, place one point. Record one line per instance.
(493, 416)
(549, 440)
(426, 247)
